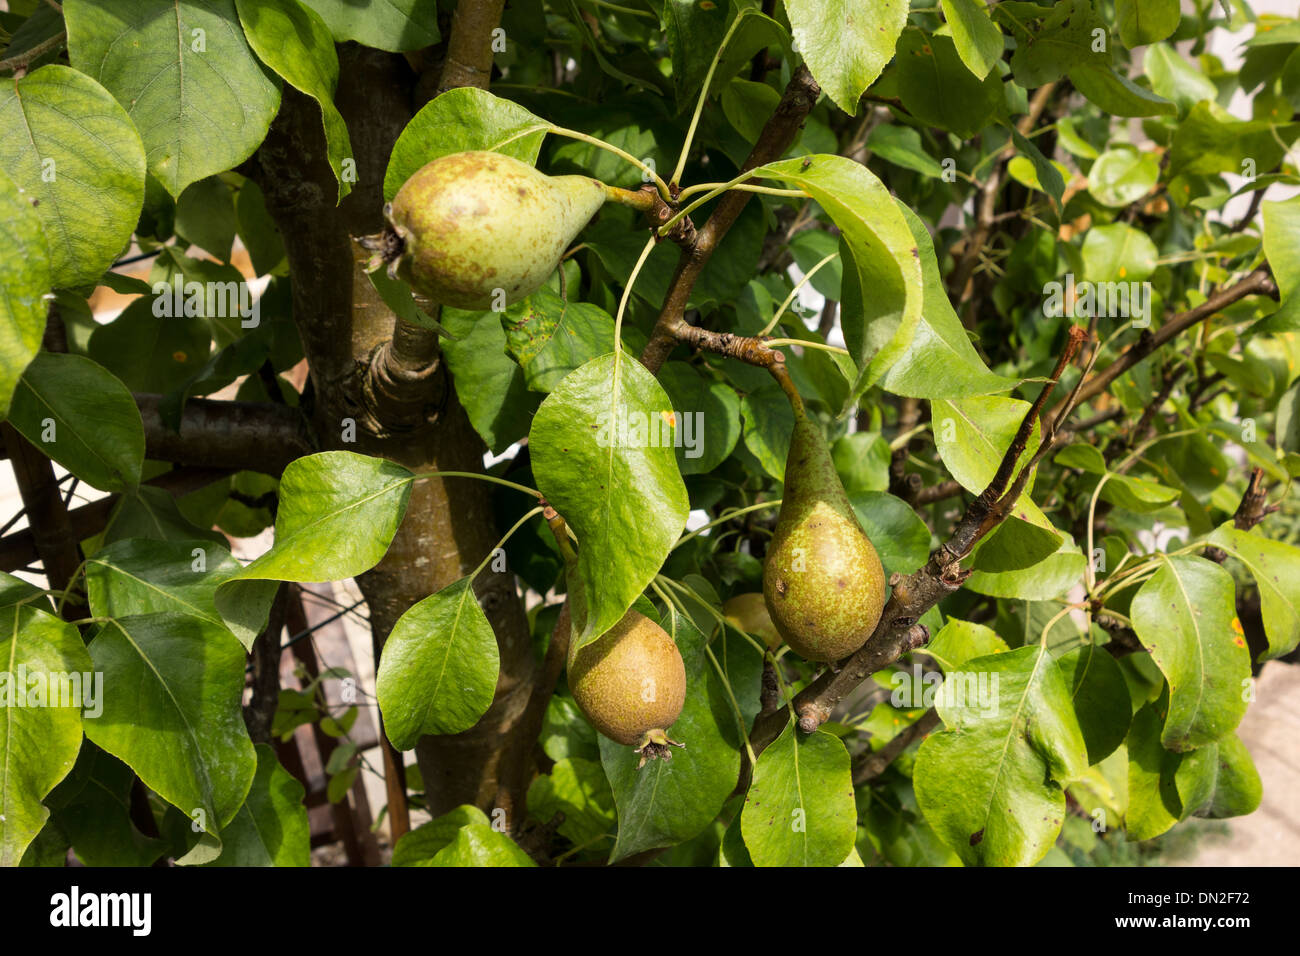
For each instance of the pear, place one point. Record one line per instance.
(822, 580)
(748, 613)
(631, 684)
(470, 224)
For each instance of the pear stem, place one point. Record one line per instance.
(638, 199)
(600, 143)
(506, 537)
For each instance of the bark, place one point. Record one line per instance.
(386, 379)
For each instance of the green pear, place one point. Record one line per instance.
(480, 230)
(748, 612)
(631, 683)
(822, 579)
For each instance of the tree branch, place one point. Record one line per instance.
(1259, 282)
(873, 763)
(959, 284)
(251, 436)
(796, 103)
(469, 49)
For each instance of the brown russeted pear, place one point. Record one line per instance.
(631, 684)
(822, 579)
(470, 224)
(748, 612)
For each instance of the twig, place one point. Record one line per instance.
(959, 283)
(873, 763)
(20, 61)
(796, 103)
(1259, 282)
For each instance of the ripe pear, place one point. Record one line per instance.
(631, 684)
(822, 580)
(472, 223)
(748, 613)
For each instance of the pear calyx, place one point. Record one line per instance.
(631, 684)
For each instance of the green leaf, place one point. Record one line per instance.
(139, 576)
(338, 513)
(478, 844)
(900, 145)
(393, 25)
(458, 120)
(799, 810)
(1211, 140)
(578, 789)
(1153, 802)
(550, 337)
(184, 71)
(937, 88)
(990, 782)
(602, 454)
(1281, 239)
(205, 216)
(421, 845)
(1175, 79)
(40, 718)
(1275, 566)
(71, 148)
(769, 423)
(258, 231)
(900, 537)
(1146, 21)
(879, 325)
(1186, 617)
(1236, 789)
(940, 362)
(1117, 253)
(151, 353)
(971, 436)
(846, 43)
(271, 828)
(439, 667)
(1041, 581)
(1101, 698)
(491, 386)
(668, 802)
(26, 279)
(694, 31)
(294, 41)
(1122, 175)
(708, 417)
(747, 104)
(92, 807)
(82, 417)
(979, 41)
(1063, 41)
(960, 641)
(186, 681)
(1048, 176)
(1117, 94)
